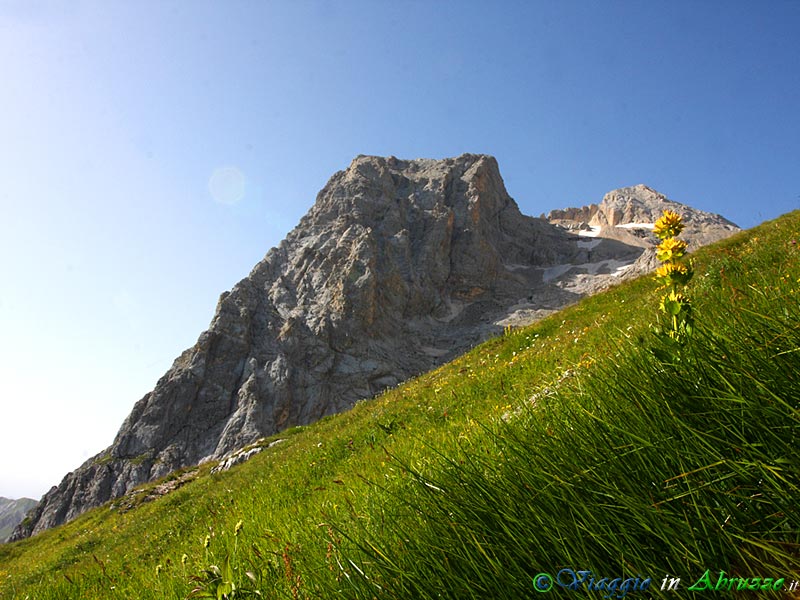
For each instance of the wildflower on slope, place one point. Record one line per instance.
(671, 249)
(674, 274)
(671, 274)
(669, 225)
(675, 303)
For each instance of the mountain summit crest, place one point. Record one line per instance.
(399, 266)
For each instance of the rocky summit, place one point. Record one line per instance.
(399, 266)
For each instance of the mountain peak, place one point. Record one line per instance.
(370, 182)
(628, 213)
(399, 266)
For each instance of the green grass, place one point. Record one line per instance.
(582, 442)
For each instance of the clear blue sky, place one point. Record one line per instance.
(152, 152)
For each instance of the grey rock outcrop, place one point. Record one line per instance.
(12, 512)
(237, 457)
(629, 213)
(399, 266)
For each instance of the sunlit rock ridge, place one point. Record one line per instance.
(399, 266)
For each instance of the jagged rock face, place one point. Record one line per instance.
(398, 267)
(627, 216)
(640, 205)
(11, 514)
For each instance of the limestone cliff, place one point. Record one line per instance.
(634, 210)
(399, 266)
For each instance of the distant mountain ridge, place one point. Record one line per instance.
(399, 266)
(634, 209)
(12, 512)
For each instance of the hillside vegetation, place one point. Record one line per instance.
(584, 441)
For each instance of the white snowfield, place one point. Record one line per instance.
(612, 266)
(636, 226)
(589, 244)
(594, 232)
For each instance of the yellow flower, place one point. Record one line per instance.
(669, 225)
(674, 273)
(238, 527)
(665, 270)
(671, 249)
(674, 303)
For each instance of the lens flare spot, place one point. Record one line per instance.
(226, 185)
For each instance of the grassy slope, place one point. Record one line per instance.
(579, 479)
